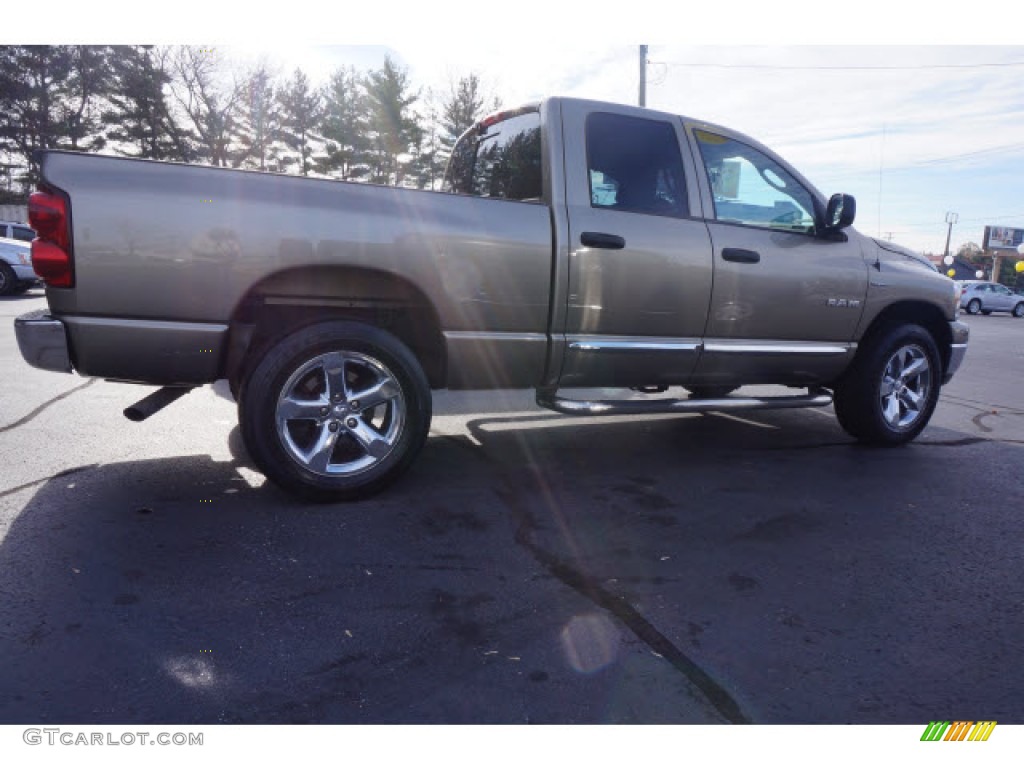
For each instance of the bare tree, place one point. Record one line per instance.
(210, 97)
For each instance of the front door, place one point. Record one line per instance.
(786, 301)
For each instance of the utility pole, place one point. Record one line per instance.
(643, 76)
(951, 219)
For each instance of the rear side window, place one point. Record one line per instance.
(635, 165)
(501, 160)
(24, 233)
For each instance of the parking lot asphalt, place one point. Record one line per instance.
(530, 568)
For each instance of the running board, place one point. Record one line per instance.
(549, 399)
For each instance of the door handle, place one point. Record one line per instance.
(602, 240)
(741, 255)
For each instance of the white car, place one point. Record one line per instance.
(986, 298)
(17, 231)
(16, 274)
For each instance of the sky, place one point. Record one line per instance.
(914, 108)
(913, 132)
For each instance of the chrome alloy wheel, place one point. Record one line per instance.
(906, 384)
(340, 413)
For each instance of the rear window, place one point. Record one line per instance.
(502, 160)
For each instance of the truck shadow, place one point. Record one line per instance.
(184, 591)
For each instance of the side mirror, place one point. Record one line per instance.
(840, 212)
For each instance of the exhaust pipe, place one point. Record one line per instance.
(154, 402)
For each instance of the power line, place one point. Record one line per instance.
(839, 68)
(926, 163)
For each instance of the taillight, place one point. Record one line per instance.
(51, 250)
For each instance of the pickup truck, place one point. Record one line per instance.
(574, 244)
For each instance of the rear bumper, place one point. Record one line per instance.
(144, 351)
(958, 350)
(43, 341)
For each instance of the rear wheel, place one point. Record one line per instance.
(889, 394)
(1018, 311)
(335, 411)
(974, 306)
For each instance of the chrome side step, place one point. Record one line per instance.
(815, 398)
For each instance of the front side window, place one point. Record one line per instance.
(500, 159)
(634, 165)
(751, 188)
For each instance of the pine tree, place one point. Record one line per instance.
(138, 119)
(260, 127)
(394, 131)
(428, 165)
(301, 108)
(88, 83)
(465, 104)
(344, 127)
(48, 100)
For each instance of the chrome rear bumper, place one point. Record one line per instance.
(43, 341)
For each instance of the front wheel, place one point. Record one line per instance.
(335, 411)
(889, 394)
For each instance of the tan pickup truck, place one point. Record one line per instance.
(574, 244)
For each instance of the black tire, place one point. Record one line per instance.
(22, 288)
(875, 416)
(973, 306)
(8, 280)
(709, 393)
(1018, 311)
(332, 450)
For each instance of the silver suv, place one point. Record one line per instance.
(986, 298)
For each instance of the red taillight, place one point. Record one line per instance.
(51, 264)
(51, 250)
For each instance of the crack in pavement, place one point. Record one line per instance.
(62, 473)
(32, 414)
(576, 579)
(965, 402)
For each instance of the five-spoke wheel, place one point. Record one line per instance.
(890, 391)
(336, 410)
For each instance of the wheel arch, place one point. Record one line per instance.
(921, 313)
(291, 299)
